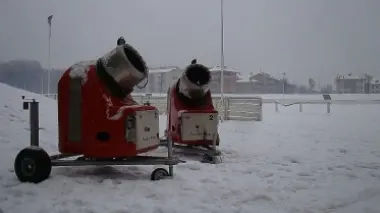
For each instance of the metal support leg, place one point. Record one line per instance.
(214, 148)
(34, 123)
(170, 156)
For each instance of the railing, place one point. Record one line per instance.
(242, 107)
(247, 109)
(328, 103)
(235, 108)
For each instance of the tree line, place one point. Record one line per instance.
(29, 75)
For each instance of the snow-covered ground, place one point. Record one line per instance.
(290, 162)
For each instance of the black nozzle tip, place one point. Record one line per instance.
(135, 58)
(120, 41)
(198, 74)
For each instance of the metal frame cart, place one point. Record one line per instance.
(34, 164)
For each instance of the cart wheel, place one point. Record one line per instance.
(207, 158)
(33, 165)
(159, 174)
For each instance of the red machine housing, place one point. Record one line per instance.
(91, 121)
(178, 105)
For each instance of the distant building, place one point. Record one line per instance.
(350, 84)
(230, 76)
(375, 86)
(246, 84)
(160, 79)
(268, 83)
(263, 83)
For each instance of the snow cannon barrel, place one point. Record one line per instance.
(194, 82)
(125, 67)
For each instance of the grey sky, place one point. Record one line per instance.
(304, 38)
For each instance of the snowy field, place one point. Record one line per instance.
(290, 162)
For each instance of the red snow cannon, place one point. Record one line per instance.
(98, 121)
(96, 113)
(192, 118)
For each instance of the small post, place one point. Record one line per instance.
(148, 96)
(34, 123)
(170, 155)
(33, 120)
(214, 138)
(276, 106)
(226, 108)
(260, 117)
(300, 107)
(328, 107)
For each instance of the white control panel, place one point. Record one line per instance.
(198, 126)
(147, 129)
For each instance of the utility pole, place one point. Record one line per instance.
(49, 67)
(283, 85)
(222, 57)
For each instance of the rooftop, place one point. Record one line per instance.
(162, 69)
(350, 77)
(245, 78)
(218, 68)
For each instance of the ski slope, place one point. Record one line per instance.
(290, 162)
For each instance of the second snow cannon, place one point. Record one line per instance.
(192, 118)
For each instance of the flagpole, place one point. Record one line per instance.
(42, 83)
(222, 59)
(283, 85)
(49, 67)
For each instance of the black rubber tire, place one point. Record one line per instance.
(159, 174)
(207, 158)
(37, 161)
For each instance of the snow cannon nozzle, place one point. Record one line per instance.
(126, 66)
(136, 59)
(198, 74)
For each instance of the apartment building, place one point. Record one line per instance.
(230, 77)
(375, 86)
(350, 84)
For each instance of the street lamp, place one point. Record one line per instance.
(283, 85)
(49, 22)
(222, 57)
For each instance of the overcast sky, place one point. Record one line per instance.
(304, 38)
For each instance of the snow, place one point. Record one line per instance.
(245, 78)
(218, 69)
(291, 162)
(351, 77)
(80, 70)
(162, 70)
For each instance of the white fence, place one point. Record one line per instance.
(235, 108)
(244, 107)
(328, 103)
